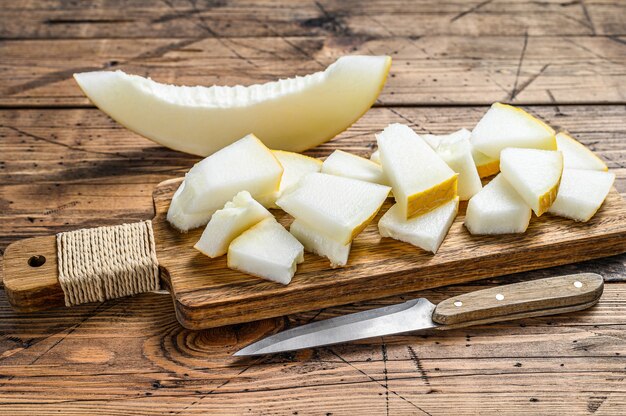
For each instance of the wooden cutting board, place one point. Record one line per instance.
(208, 294)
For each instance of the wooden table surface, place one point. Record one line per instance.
(65, 165)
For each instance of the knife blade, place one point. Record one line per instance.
(520, 300)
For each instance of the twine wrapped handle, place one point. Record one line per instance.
(107, 262)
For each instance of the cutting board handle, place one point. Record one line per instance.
(520, 300)
(82, 266)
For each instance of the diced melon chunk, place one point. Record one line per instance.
(455, 149)
(534, 174)
(425, 231)
(576, 155)
(177, 216)
(244, 165)
(266, 250)
(420, 179)
(507, 126)
(335, 206)
(497, 209)
(346, 164)
(295, 166)
(319, 244)
(581, 193)
(229, 222)
(485, 165)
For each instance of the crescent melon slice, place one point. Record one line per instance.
(290, 114)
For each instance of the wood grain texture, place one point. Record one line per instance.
(429, 70)
(379, 18)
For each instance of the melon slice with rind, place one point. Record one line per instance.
(266, 250)
(425, 231)
(581, 193)
(335, 206)
(229, 222)
(507, 126)
(534, 174)
(455, 149)
(497, 209)
(317, 243)
(420, 179)
(290, 114)
(576, 155)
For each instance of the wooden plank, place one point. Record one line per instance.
(439, 70)
(181, 18)
(131, 357)
(67, 169)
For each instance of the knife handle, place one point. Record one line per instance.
(540, 297)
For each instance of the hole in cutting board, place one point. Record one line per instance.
(36, 261)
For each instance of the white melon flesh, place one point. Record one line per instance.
(266, 250)
(507, 126)
(576, 155)
(177, 216)
(581, 193)
(485, 165)
(425, 231)
(290, 114)
(229, 222)
(375, 157)
(337, 207)
(534, 174)
(346, 164)
(319, 244)
(295, 166)
(420, 179)
(497, 209)
(244, 165)
(455, 149)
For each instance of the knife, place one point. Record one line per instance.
(540, 297)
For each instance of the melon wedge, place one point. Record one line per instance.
(420, 179)
(290, 114)
(229, 222)
(576, 155)
(375, 157)
(318, 243)
(425, 231)
(346, 164)
(337, 207)
(581, 193)
(507, 126)
(485, 165)
(534, 174)
(244, 165)
(266, 250)
(295, 166)
(497, 209)
(455, 149)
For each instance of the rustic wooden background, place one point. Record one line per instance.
(65, 165)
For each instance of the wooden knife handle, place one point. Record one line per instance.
(520, 300)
